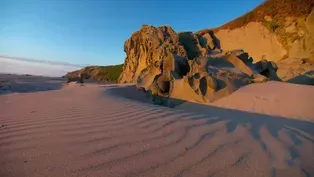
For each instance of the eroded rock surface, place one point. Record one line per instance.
(153, 44)
(202, 79)
(147, 46)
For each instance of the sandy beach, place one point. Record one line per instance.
(157, 88)
(111, 130)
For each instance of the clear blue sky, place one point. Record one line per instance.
(94, 31)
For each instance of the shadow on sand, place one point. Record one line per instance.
(306, 79)
(297, 130)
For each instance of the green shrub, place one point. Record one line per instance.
(110, 73)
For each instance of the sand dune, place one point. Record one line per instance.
(273, 98)
(112, 130)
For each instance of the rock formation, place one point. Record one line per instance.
(296, 70)
(212, 63)
(175, 78)
(276, 30)
(153, 44)
(147, 46)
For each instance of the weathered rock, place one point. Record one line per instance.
(191, 44)
(147, 46)
(155, 44)
(147, 76)
(202, 79)
(175, 64)
(239, 64)
(207, 41)
(267, 69)
(291, 68)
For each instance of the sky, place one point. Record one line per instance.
(13, 66)
(94, 31)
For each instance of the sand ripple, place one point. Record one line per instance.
(88, 131)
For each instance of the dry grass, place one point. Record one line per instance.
(277, 9)
(98, 73)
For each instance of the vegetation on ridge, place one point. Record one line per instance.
(272, 14)
(278, 10)
(98, 73)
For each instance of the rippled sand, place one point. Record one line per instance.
(112, 130)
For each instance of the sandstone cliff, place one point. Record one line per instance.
(276, 29)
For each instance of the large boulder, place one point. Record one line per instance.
(202, 79)
(154, 44)
(147, 46)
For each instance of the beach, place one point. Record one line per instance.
(112, 130)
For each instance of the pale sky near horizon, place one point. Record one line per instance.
(94, 31)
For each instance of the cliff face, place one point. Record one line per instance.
(276, 30)
(255, 39)
(295, 40)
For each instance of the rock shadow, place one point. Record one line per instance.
(304, 79)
